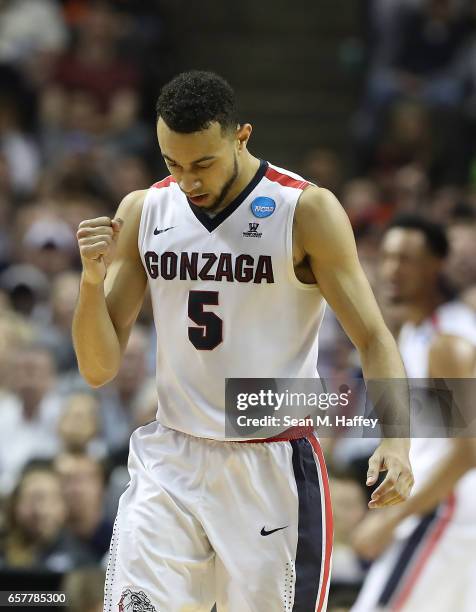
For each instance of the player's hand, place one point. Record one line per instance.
(96, 240)
(372, 536)
(390, 456)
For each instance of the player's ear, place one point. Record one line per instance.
(243, 134)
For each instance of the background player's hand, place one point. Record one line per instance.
(372, 536)
(390, 456)
(96, 240)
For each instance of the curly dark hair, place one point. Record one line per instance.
(193, 100)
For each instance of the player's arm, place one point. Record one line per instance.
(113, 284)
(450, 357)
(323, 232)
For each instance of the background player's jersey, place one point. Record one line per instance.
(453, 318)
(225, 297)
(457, 319)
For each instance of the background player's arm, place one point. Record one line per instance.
(450, 357)
(323, 232)
(112, 289)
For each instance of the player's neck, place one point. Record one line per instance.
(423, 308)
(248, 168)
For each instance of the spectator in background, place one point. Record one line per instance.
(407, 139)
(117, 398)
(28, 29)
(384, 21)
(75, 205)
(430, 37)
(323, 167)
(6, 214)
(70, 123)
(99, 88)
(444, 201)
(144, 410)
(18, 148)
(36, 537)
(127, 174)
(79, 425)
(15, 331)
(84, 590)
(29, 413)
(94, 64)
(416, 46)
(56, 332)
(28, 289)
(82, 479)
(363, 202)
(416, 59)
(48, 243)
(411, 189)
(80, 141)
(349, 510)
(145, 403)
(461, 264)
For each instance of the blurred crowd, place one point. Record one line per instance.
(78, 81)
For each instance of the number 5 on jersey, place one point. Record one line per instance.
(209, 333)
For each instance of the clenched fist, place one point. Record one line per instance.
(96, 240)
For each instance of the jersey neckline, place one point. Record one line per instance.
(211, 223)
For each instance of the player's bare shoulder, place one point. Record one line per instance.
(319, 220)
(129, 212)
(451, 356)
(134, 201)
(130, 208)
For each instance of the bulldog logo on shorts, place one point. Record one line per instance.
(135, 602)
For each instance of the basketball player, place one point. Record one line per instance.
(239, 256)
(427, 544)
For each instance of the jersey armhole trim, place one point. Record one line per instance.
(289, 251)
(142, 224)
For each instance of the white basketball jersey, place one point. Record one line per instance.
(452, 318)
(226, 301)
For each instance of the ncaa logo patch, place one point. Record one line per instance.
(133, 601)
(263, 207)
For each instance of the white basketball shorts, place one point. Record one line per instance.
(247, 526)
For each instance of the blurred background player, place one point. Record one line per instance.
(429, 541)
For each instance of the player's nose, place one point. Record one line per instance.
(189, 184)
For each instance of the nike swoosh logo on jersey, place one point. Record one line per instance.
(161, 231)
(267, 533)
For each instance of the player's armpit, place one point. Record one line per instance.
(126, 281)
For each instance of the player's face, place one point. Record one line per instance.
(204, 164)
(408, 269)
(40, 509)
